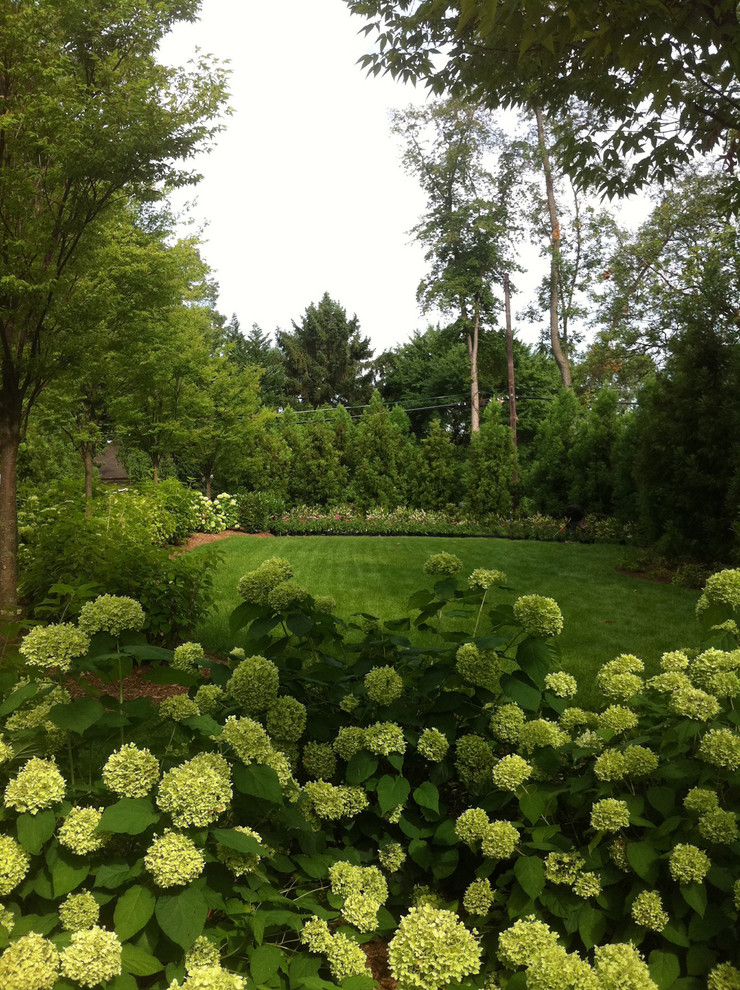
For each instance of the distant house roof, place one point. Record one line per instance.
(109, 467)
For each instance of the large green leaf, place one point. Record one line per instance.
(530, 872)
(129, 815)
(238, 841)
(258, 781)
(77, 716)
(17, 698)
(139, 962)
(360, 767)
(392, 791)
(34, 830)
(67, 871)
(243, 615)
(643, 859)
(265, 962)
(132, 912)
(525, 694)
(182, 916)
(695, 895)
(664, 968)
(426, 795)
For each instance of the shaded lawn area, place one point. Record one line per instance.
(605, 613)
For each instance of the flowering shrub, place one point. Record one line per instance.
(324, 791)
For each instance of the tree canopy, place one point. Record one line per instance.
(656, 82)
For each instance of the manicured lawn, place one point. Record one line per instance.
(605, 613)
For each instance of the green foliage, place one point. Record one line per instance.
(613, 828)
(490, 469)
(380, 456)
(435, 483)
(255, 509)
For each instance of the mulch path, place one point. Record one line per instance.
(200, 539)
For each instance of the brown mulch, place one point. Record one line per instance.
(134, 686)
(200, 539)
(377, 959)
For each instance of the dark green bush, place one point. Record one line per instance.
(254, 510)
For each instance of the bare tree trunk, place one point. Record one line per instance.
(9, 443)
(208, 485)
(561, 357)
(473, 356)
(87, 461)
(155, 468)
(510, 359)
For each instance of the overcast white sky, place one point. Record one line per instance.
(304, 192)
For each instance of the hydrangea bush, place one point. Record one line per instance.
(327, 789)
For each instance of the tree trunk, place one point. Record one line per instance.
(155, 468)
(510, 359)
(10, 438)
(87, 461)
(561, 357)
(473, 356)
(208, 485)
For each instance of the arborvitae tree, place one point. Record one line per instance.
(491, 463)
(438, 470)
(548, 484)
(381, 452)
(593, 457)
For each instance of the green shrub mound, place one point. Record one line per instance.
(453, 807)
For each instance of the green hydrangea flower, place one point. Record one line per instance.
(383, 685)
(431, 949)
(7, 919)
(617, 718)
(561, 684)
(178, 707)
(392, 856)
(49, 647)
(721, 748)
(555, 969)
(14, 864)
(499, 840)
(364, 891)
(6, 751)
(718, 826)
(480, 668)
(564, 867)
(724, 977)
(687, 864)
(131, 772)
(701, 800)
(539, 616)
(186, 657)
(511, 772)
(349, 741)
(639, 761)
(577, 718)
(442, 564)
(247, 738)
(722, 588)
(589, 740)
(524, 940)
(348, 703)
(112, 614)
(346, 958)
(319, 761)
(195, 793)
(474, 761)
(647, 910)
(618, 855)
(256, 586)
(669, 681)
(286, 719)
(30, 963)
(254, 684)
(210, 978)
(238, 862)
(78, 831)
(471, 825)
(331, 803)
(610, 815)
(324, 603)
(78, 912)
(478, 898)
(674, 660)
(385, 738)
(621, 967)
(37, 786)
(587, 885)
(506, 722)
(207, 698)
(433, 745)
(203, 953)
(173, 860)
(540, 732)
(694, 703)
(286, 596)
(619, 678)
(485, 579)
(93, 957)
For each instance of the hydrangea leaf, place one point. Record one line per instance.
(299, 624)
(129, 815)
(526, 695)
(265, 962)
(258, 781)
(664, 968)
(133, 910)
(182, 916)
(34, 830)
(426, 795)
(530, 872)
(139, 962)
(238, 841)
(591, 926)
(67, 872)
(360, 767)
(695, 895)
(17, 698)
(77, 716)
(643, 859)
(392, 791)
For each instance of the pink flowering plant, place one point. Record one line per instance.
(326, 787)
